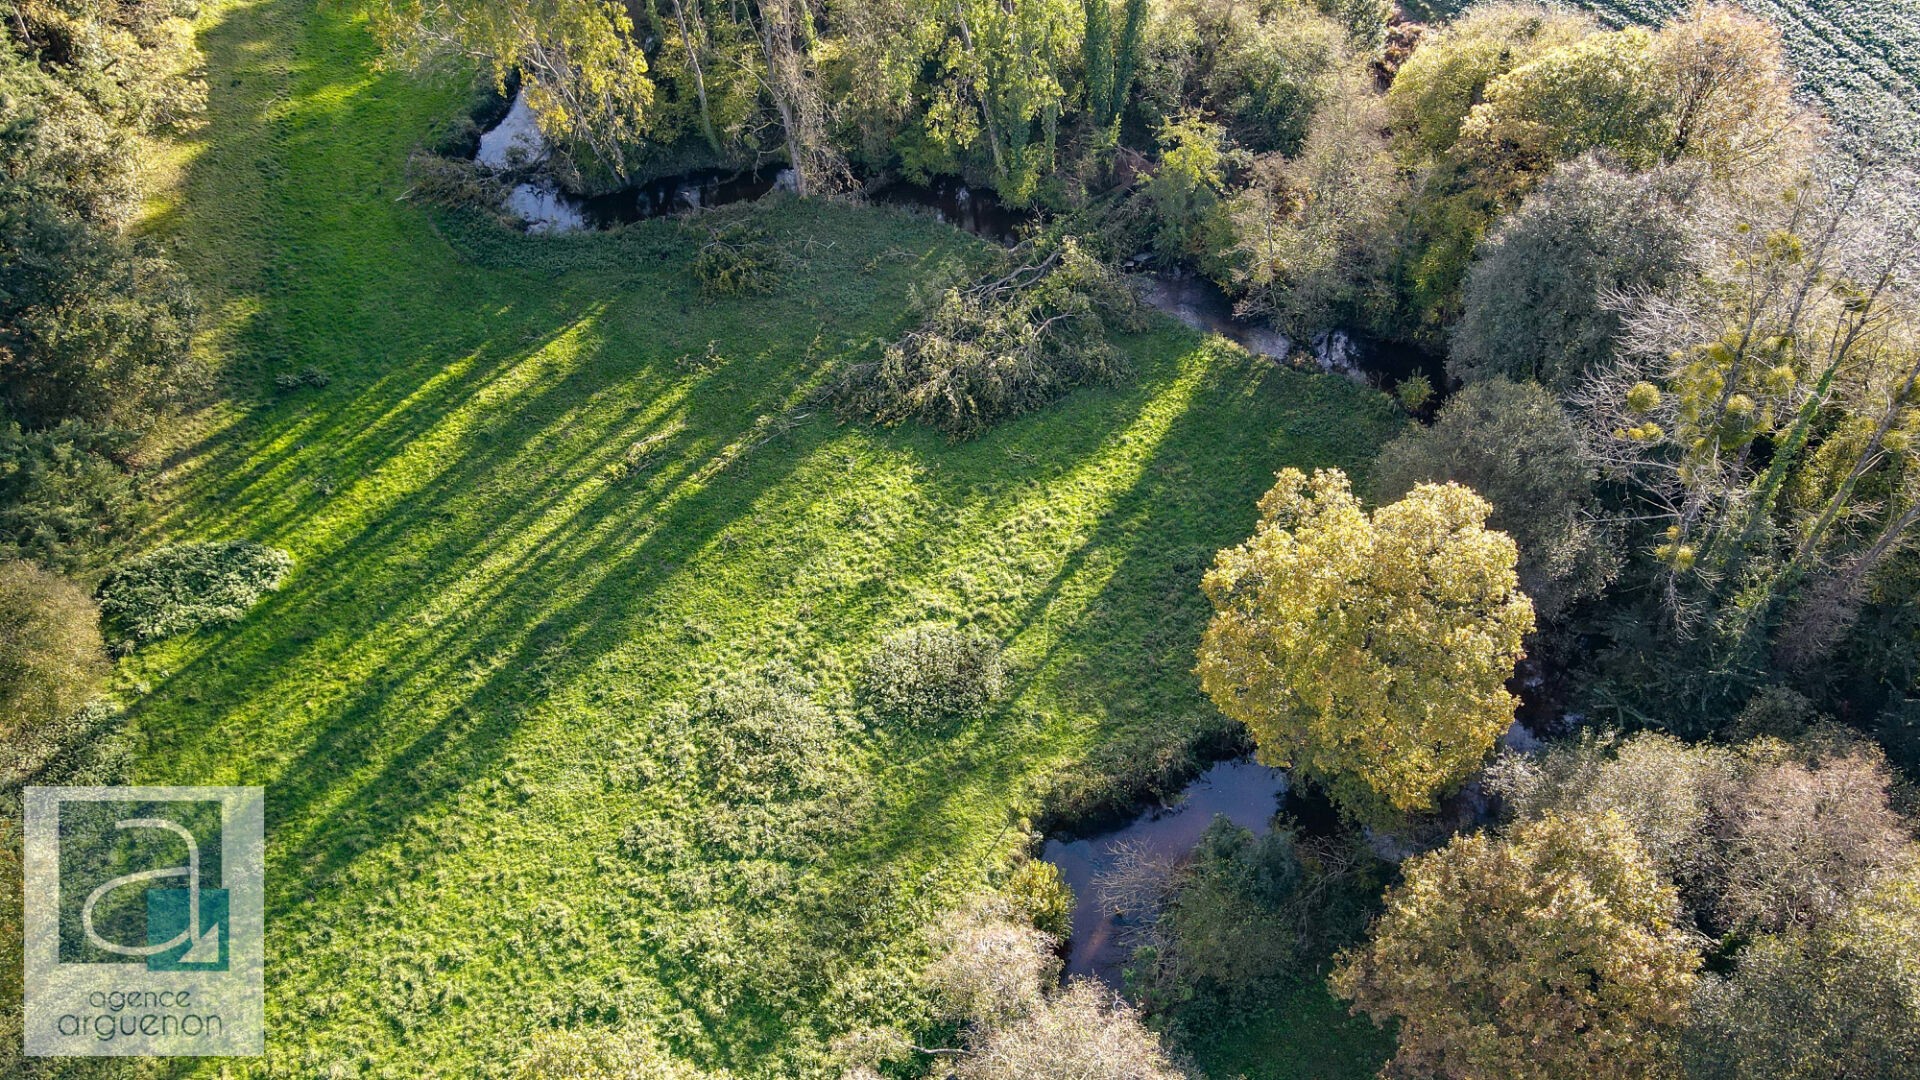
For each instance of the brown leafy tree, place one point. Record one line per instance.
(1833, 1001)
(1551, 951)
(1764, 837)
(51, 658)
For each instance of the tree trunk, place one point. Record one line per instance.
(699, 76)
(980, 94)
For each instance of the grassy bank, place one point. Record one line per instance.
(546, 492)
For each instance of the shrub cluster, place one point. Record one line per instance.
(63, 496)
(927, 674)
(95, 331)
(51, 659)
(1003, 346)
(772, 767)
(1037, 889)
(183, 587)
(738, 259)
(998, 978)
(1245, 914)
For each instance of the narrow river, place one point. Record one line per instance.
(1247, 794)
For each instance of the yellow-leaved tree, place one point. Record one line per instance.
(1551, 951)
(1369, 652)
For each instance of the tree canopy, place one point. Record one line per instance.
(1368, 651)
(1551, 951)
(1513, 444)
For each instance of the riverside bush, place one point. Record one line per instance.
(1036, 887)
(183, 587)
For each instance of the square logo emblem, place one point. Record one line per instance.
(144, 921)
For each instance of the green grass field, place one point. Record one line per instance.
(481, 820)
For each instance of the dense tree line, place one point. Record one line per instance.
(94, 322)
(1683, 332)
(95, 326)
(1031, 97)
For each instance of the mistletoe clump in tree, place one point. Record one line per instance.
(1767, 416)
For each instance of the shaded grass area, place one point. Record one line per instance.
(1303, 1034)
(548, 492)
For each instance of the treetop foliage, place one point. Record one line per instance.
(1839, 999)
(1762, 837)
(1550, 951)
(1368, 651)
(1516, 447)
(1437, 88)
(579, 62)
(1542, 299)
(1789, 859)
(1762, 411)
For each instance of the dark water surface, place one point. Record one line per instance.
(516, 141)
(1248, 794)
(979, 212)
(1202, 305)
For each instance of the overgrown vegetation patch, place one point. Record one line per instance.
(183, 587)
(932, 673)
(1004, 345)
